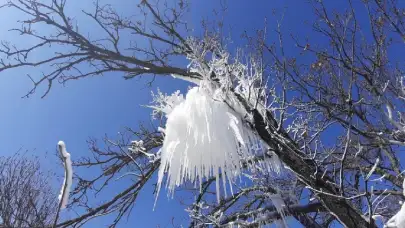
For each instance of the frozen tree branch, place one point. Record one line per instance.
(67, 181)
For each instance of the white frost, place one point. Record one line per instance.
(164, 103)
(67, 182)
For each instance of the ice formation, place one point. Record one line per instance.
(279, 204)
(67, 182)
(204, 138)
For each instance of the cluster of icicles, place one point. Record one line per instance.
(205, 138)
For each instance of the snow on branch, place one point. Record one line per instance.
(67, 182)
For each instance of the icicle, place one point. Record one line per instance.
(279, 204)
(205, 135)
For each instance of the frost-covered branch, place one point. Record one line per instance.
(67, 181)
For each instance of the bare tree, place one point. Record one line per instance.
(353, 93)
(26, 196)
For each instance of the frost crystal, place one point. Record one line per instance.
(164, 103)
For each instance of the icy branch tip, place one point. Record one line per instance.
(62, 149)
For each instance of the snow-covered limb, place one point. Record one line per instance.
(195, 81)
(67, 182)
(372, 170)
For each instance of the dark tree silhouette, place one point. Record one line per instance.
(26, 196)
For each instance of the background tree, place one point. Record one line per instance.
(332, 113)
(26, 196)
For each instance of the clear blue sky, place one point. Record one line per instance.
(105, 105)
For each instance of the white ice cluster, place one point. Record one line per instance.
(204, 138)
